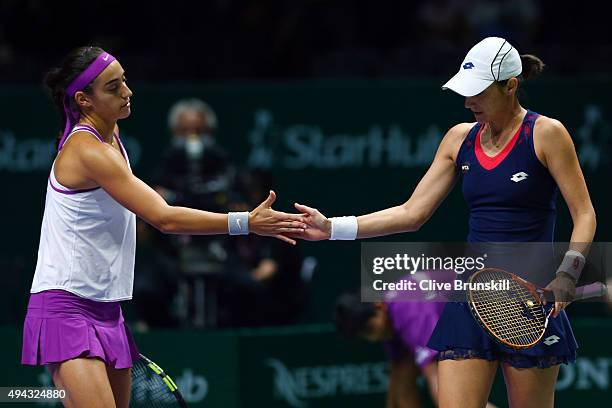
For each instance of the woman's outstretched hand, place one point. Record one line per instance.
(266, 221)
(319, 227)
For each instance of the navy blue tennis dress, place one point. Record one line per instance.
(511, 198)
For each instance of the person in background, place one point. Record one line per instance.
(262, 283)
(404, 328)
(195, 170)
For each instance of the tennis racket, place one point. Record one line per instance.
(515, 317)
(152, 387)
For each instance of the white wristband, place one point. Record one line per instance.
(572, 264)
(343, 228)
(238, 223)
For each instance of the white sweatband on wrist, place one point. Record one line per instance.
(572, 264)
(343, 228)
(238, 223)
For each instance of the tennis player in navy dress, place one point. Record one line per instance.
(514, 163)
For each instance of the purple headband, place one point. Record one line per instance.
(84, 79)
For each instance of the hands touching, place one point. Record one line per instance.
(266, 221)
(309, 225)
(319, 226)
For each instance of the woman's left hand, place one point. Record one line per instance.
(564, 289)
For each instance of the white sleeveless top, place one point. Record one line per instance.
(87, 241)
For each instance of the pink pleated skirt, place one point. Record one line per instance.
(61, 326)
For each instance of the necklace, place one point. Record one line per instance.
(501, 141)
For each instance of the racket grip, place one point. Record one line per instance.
(592, 290)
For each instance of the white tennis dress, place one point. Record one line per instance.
(87, 241)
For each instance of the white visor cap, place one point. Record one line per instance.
(492, 59)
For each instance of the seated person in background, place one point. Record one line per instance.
(262, 284)
(195, 171)
(405, 328)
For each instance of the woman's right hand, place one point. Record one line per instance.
(266, 221)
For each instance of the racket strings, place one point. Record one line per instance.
(148, 389)
(502, 320)
(513, 316)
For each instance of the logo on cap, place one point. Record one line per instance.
(468, 65)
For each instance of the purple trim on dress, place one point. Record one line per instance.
(90, 128)
(77, 128)
(70, 192)
(122, 148)
(85, 78)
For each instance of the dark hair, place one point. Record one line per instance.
(351, 315)
(58, 78)
(532, 66)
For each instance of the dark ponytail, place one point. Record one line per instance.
(532, 66)
(58, 78)
(351, 316)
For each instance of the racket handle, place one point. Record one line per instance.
(592, 290)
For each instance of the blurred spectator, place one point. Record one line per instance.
(196, 172)
(264, 283)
